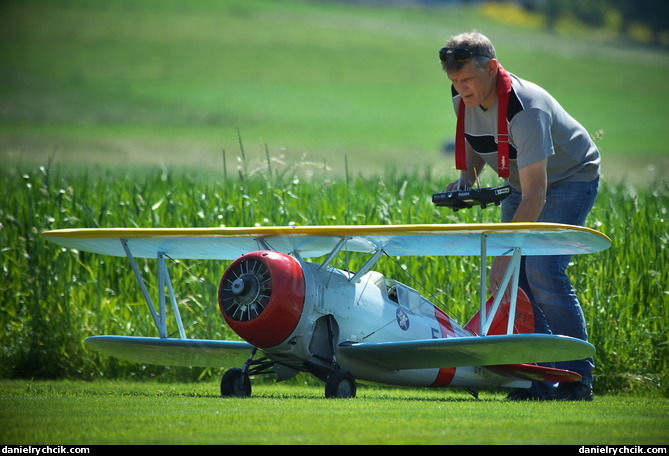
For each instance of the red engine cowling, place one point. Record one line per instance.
(261, 297)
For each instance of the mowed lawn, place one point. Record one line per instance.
(100, 413)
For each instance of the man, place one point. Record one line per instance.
(552, 166)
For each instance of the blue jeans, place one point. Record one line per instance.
(544, 278)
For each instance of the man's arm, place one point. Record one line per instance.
(533, 182)
(468, 176)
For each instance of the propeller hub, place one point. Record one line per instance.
(244, 285)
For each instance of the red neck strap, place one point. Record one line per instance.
(503, 90)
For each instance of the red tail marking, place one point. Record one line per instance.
(523, 321)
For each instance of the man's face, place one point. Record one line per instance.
(476, 85)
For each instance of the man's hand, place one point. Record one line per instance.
(459, 184)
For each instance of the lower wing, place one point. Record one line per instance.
(173, 352)
(469, 351)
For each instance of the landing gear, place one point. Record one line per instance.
(340, 384)
(322, 364)
(235, 384)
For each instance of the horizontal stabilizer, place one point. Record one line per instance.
(535, 373)
(469, 351)
(173, 352)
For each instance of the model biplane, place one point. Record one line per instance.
(346, 326)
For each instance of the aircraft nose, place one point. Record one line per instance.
(261, 297)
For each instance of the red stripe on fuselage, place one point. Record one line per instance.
(446, 374)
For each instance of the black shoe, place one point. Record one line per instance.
(523, 394)
(574, 392)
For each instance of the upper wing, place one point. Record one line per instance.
(314, 241)
(469, 351)
(173, 352)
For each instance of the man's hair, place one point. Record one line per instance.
(476, 43)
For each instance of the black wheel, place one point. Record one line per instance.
(340, 384)
(235, 384)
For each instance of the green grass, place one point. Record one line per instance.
(152, 82)
(172, 413)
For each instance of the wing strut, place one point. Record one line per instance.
(165, 281)
(367, 266)
(334, 252)
(484, 281)
(160, 316)
(512, 273)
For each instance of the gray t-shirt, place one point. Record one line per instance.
(538, 128)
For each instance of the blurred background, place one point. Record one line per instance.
(191, 85)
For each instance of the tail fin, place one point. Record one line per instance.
(523, 324)
(523, 321)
